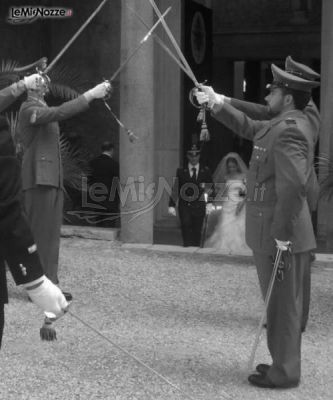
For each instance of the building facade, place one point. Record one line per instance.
(229, 44)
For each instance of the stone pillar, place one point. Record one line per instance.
(168, 110)
(137, 113)
(325, 211)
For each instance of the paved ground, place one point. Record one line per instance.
(190, 316)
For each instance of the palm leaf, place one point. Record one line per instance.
(8, 65)
(74, 161)
(62, 91)
(7, 73)
(66, 83)
(12, 119)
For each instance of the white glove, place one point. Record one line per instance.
(99, 91)
(33, 81)
(206, 94)
(48, 297)
(282, 245)
(209, 208)
(172, 211)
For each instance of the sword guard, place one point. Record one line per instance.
(38, 65)
(192, 97)
(193, 100)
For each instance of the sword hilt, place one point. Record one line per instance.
(193, 99)
(109, 90)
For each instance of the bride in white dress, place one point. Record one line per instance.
(229, 180)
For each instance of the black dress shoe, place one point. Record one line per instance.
(263, 368)
(68, 296)
(261, 381)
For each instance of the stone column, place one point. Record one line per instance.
(137, 113)
(168, 113)
(325, 211)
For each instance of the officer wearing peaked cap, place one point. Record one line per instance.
(281, 163)
(286, 79)
(264, 112)
(188, 192)
(17, 244)
(301, 70)
(42, 170)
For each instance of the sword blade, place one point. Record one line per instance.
(175, 44)
(142, 42)
(161, 43)
(263, 315)
(62, 51)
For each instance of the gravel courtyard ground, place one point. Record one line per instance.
(191, 317)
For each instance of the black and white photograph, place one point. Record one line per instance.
(166, 199)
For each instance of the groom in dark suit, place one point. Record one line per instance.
(191, 190)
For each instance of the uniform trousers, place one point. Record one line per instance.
(284, 317)
(191, 220)
(306, 291)
(44, 208)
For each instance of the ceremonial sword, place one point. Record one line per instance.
(175, 44)
(204, 134)
(142, 41)
(62, 51)
(130, 134)
(266, 304)
(159, 41)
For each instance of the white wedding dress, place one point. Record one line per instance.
(229, 234)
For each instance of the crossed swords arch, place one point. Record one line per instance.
(47, 331)
(42, 67)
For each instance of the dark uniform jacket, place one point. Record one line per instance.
(189, 192)
(262, 112)
(280, 166)
(39, 132)
(105, 171)
(16, 241)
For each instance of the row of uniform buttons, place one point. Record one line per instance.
(261, 149)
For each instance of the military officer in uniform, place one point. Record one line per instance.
(264, 112)
(277, 212)
(42, 174)
(191, 190)
(17, 245)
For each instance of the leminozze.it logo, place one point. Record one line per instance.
(29, 14)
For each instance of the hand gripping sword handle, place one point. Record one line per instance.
(264, 312)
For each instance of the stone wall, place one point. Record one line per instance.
(242, 15)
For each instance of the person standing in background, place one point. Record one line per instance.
(192, 183)
(105, 175)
